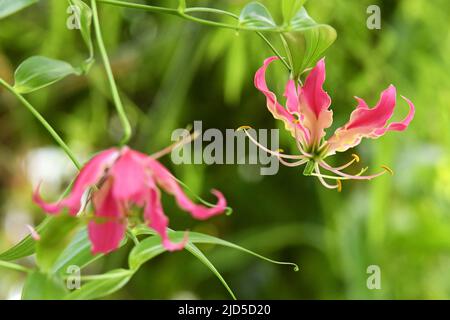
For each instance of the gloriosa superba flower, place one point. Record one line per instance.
(306, 115)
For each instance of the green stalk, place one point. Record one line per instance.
(13, 266)
(309, 168)
(106, 276)
(140, 6)
(183, 14)
(112, 83)
(44, 123)
(286, 64)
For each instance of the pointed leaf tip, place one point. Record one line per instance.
(38, 72)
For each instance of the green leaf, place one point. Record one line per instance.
(54, 239)
(8, 7)
(38, 72)
(78, 253)
(147, 249)
(199, 255)
(196, 237)
(106, 284)
(85, 25)
(289, 8)
(26, 247)
(151, 247)
(255, 15)
(307, 41)
(302, 21)
(40, 286)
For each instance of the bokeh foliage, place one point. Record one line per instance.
(172, 72)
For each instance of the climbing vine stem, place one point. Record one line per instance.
(44, 123)
(112, 83)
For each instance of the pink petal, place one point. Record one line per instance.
(368, 122)
(129, 175)
(402, 125)
(316, 99)
(364, 117)
(52, 208)
(314, 103)
(89, 175)
(274, 107)
(165, 179)
(154, 214)
(291, 94)
(106, 235)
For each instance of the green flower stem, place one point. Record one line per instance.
(132, 236)
(185, 15)
(286, 64)
(211, 10)
(309, 168)
(13, 266)
(44, 122)
(115, 93)
(140, 6)
(107, 276)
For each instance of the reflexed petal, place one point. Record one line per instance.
(399, 126)
(106, 235)
(157, 220)
(89, 175)
(129, 175)
(277, 110)
(314, 103)
(165, 179)
(368, 122)
(365, 117)
(52, 208)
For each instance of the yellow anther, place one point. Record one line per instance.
(296, 121)
(388, 170)
(339, 185)
(243, 128)
(356, 157)
(280, 150)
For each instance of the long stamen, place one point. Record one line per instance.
(348, 164)
(355, 177)
(275, 153)
(341, 176)
(33, 232)
(339, 188)
(317, 173)
(293, 164)
(327, 176)
(298, 141)
(304, 130)
(183, 141)
(388, 169)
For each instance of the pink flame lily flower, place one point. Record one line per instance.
(120, 178)
(307, 115)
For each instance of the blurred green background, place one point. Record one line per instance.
(172, 72)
